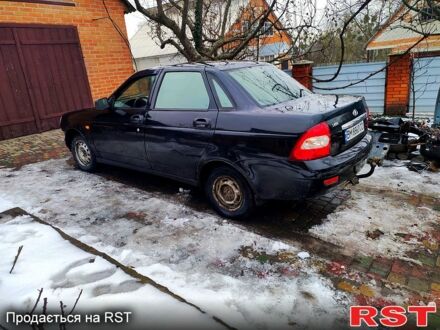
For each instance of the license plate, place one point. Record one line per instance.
(352, 132)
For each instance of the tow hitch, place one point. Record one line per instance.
(369, 173)
(377, 154)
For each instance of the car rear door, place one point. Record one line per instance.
(180, 126)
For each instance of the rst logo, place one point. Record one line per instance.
(390, 316)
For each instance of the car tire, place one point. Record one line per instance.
(229, 193)
(82, 154)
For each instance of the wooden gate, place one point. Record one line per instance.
(42, 76)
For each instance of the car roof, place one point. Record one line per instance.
(216, 65)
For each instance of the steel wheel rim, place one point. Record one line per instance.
(227, 193)
(83, 154)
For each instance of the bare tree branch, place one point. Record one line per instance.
(62, 325)
(76, 302)
(341, 38)
(37, 301)
(16, 258)
(225, 17)
(252, 35)
(394, 60)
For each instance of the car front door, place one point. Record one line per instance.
(118, 133)
(180, 126)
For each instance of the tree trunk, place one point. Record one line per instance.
(198, 25)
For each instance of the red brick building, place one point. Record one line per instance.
(57, 56)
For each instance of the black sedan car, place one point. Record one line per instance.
(245, 132)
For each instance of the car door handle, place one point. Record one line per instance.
(137, 119)
(202, 123)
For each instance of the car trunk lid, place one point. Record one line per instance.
(346, 116)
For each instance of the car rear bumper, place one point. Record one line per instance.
(284, 180)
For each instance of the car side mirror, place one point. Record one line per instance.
(102, 104)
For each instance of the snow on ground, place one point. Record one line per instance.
(363, 212)
(5, 205)
(62, 270)
(395, 175)
(366, 212)
(247, 280)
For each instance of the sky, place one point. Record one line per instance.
(133, 21)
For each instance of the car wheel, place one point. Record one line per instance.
(83, 154)
(229, 193)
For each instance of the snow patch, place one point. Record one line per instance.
(5, 205)
(195, 254)
(395, 175)
(49, 262)
(367, 212)
(303, 255)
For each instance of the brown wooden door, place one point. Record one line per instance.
(42, 76)
(16, 113)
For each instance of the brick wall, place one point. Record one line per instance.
(398, 85)
(106, 55)
(303, 73)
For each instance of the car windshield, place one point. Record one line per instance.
(268, 85)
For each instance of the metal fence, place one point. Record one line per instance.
(426, 84)
(373, 89)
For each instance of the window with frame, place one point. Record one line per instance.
(267, 58)
(222, 96)
(182, 91)
(429, 13)
(137, 94)
(267, 29)
(246, 25)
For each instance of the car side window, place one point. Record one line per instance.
(223, 98)
(137, 94)
(182, 91)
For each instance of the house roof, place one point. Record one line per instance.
(384, 26)
(398, 33)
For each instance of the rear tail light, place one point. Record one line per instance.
(313, 144)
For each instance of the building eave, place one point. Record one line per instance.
(129, 6)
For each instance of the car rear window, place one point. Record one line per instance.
(183, 91)
(268, 85)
